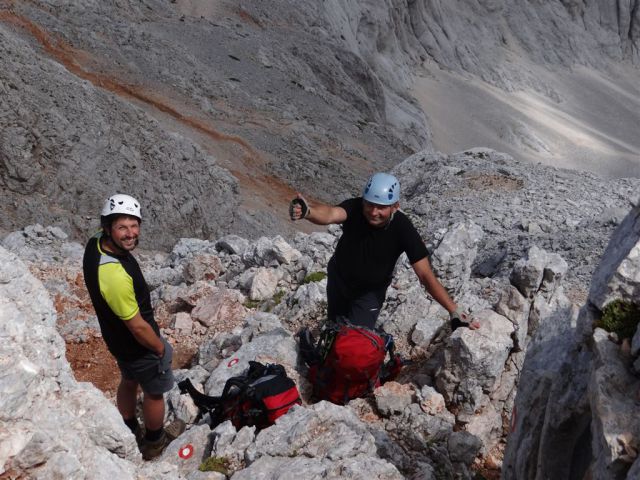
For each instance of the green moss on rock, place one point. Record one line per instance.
(621, 318)
(215, 464)
(314, 277)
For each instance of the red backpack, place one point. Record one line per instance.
(351, 363)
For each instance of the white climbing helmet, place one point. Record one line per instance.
(123, 205)
(382, 189)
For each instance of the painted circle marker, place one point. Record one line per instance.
(232, 362)
(186, 451)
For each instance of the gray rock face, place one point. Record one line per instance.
(501, 194)
(618, 275)
(599, 30)
(53, 427)
(62, 137)
(615, 427)
(577, 387)
(141, 101)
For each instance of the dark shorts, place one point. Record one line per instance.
(359, 308)
(146, 372)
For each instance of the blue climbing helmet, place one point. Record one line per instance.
(382, 189)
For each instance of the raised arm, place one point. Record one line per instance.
(316, 212)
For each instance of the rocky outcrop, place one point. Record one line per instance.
(561, 211)
(578, 389)
(52, 426)
(449, 411)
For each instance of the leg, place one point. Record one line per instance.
(365, 309)
(337, 301)
(153, 411)
(126, 398)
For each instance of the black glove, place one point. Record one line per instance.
(165, 362)
(304, 208)
(458, 319)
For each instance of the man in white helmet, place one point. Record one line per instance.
(122, 302)
(375, 234)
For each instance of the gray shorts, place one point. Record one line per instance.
(146, 372)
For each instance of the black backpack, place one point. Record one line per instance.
(258, 397)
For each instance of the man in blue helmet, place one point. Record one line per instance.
(375, 234)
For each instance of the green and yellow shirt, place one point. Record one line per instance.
(118, 291)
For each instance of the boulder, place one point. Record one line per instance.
(275, 346)
(264, 284)
(452, 259)
(615, 426)
(540, 270)
(232, 244)
(223, 309)
(480, 354)
(182, 324)
(515, 307)
(392, 398)
(202, 267)
(463, 446)
(53, 427)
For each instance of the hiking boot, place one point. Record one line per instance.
(151, 450)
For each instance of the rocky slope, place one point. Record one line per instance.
(154, 97)
(448, 414)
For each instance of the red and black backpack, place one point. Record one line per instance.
(348, 362)
(256, 398)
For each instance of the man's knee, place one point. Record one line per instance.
(154, 397)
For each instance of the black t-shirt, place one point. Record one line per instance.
(366, 256)
(121, 273)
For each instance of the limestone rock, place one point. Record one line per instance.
(513, 306)
(202, 267)
(431, 401)
(222, 307)
(276, 346)
(485, 350)
(182, 323)
(615, 427)
(309, 432)
(392, 398)
(53, 426)
(264, 284)
(618, 274)
(455, 254)
(463, 446)
(232, 244)
(539, 271)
